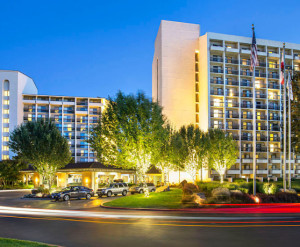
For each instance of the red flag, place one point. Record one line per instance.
(282, 70)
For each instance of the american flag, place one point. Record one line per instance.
(282, 69)
(254, 59)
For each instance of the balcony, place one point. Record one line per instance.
(259, 73)
(261, 95)
(247, 105)
(274, 139)
(82, 154)
(264, 127)
(82, 146)
(246, 73)
(217, 47)
(232, 93)
(231, 72)
(233, 126)
(216, 104)
(232, 115)
(232, 83)
(274, 118)
(216, 59)
(246, 95)
(246, 84)
(247, 138)
(216, 70)
(274, 128)
(232, 61)
(273, 86)
(274, 107)
(261, 106)
(249, 127)
(233, 104)
(217, 81)
(81, 137)
(216, 92)
(274, 76)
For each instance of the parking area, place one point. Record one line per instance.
(14, 199)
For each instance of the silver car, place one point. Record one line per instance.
(113, 189)
(141, 187)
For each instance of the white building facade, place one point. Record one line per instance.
(206, 80)
(74, 116)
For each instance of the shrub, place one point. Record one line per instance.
(270, 188)
(280, 197)
(241, 198)
(221, 193)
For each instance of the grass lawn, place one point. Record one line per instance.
(7, 242)
(170, 199)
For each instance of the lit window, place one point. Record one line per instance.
(6, 93)
(6, 111)
(216, 113)
(257, 84)
(6, 120)
(230, 103)
(6, 102)
(217, 102)
(271, 147)
(5, 129)
(271, 95)
(5, 157)
(5, 138)
(5, 148)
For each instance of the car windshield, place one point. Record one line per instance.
(142, 185)
(67, 188)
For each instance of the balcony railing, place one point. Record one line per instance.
(249, 105)
(233, 115)
(233, 104)
(216, 92)
(216, 70)
(233, 126)
(232, 94)
(246, 138)
(274, 139)
(247, 95)
(246, 84)
(245, 73)
(215, 81)
(273, 86)
(231, 72)
(274, 118)
(261, 106)
(248, 127)
(274, 76)
(248, 116)
(274, 128)
(232, 83)
(261, 95)
(231, 60)
(216, 59)
(274, 107)
(216, 104)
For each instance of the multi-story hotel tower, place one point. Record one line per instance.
(206, 80)
(74, 116)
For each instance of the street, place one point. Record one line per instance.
(103, 227)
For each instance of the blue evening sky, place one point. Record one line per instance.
(95, 48)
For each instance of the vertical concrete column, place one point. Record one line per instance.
(93, 181)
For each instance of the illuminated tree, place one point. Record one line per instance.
(295, 113)
(194, 149)
(222, 151)
(41, 144)
(10, 171)
(129, 134)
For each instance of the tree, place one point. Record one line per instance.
(129, 133)
(41, 144)
(10, 171)
(295, 113)
(222, 151)
(194, 149)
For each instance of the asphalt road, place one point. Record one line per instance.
(142, 228)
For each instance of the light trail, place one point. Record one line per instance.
(108, 215)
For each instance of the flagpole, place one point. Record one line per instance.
(284, 122)
(254, 128)
(290, 177)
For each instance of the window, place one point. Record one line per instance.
(5, 102)
(6, 93)
(5, 138)
(6, 120)
(6, 111)
(5, 148)
(271, 147)
(5, 157)
(5, 129)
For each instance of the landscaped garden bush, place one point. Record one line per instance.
(280, 197)
(241, 198)
(270, 188)
(221, 193)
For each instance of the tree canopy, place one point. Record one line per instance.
(222, 151)
(295, 113)
(129, 133)
(41, 144)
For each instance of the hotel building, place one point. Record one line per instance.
(206, 80)
(74, 116)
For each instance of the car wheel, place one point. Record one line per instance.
(115, 194)
(153, 190)
(124, 193)
(109, 193)
(88, 196)
(66, 197)
(141, 191)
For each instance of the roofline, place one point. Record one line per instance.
(48, 95)
(18, 71)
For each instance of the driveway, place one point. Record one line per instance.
(14, 199)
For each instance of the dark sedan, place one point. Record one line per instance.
(73, 192)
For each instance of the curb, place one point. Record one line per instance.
(206, 206)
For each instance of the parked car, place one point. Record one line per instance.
(113, 189)
(73, 192)
(141, 187)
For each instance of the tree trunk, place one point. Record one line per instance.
(222, 178)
